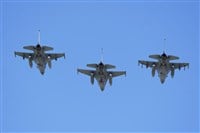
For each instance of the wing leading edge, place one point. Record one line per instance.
(179, 65)
(148, 63)
(86, 72)
(116, 73)
(24, 55)
(55, 56)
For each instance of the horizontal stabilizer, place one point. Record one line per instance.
(92, 65)
(46, 48)
(29, 47)
(171, 57)
(155, 56)
(108, 66)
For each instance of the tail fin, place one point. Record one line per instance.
(101, 54)
(38, 36)
(45, 48)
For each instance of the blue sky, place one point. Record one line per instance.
(63, 100)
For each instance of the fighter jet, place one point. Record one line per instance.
(101, 74)
(163, 66)
(39, 56)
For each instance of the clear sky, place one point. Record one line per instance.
(63, 100)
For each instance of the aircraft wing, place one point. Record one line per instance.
(24, 55)
(55, 56)
(117, 73)
(179, 65)
(86, 72)
(148, 63)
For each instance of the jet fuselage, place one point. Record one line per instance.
(40, 59)
(163, 69)
(163, 66)
(101, 75)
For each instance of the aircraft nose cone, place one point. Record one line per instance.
(162, 81)
(102, 89)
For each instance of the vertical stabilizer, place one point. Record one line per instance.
(164, 47)
(38, 36)
(101, 54)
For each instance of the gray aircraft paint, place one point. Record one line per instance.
(39, 56)
(163, 66)
(101, 74)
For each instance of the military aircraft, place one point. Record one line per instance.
(101, 74)
(163, 66)
(39, 56)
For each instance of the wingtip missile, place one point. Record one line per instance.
(77, 71)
